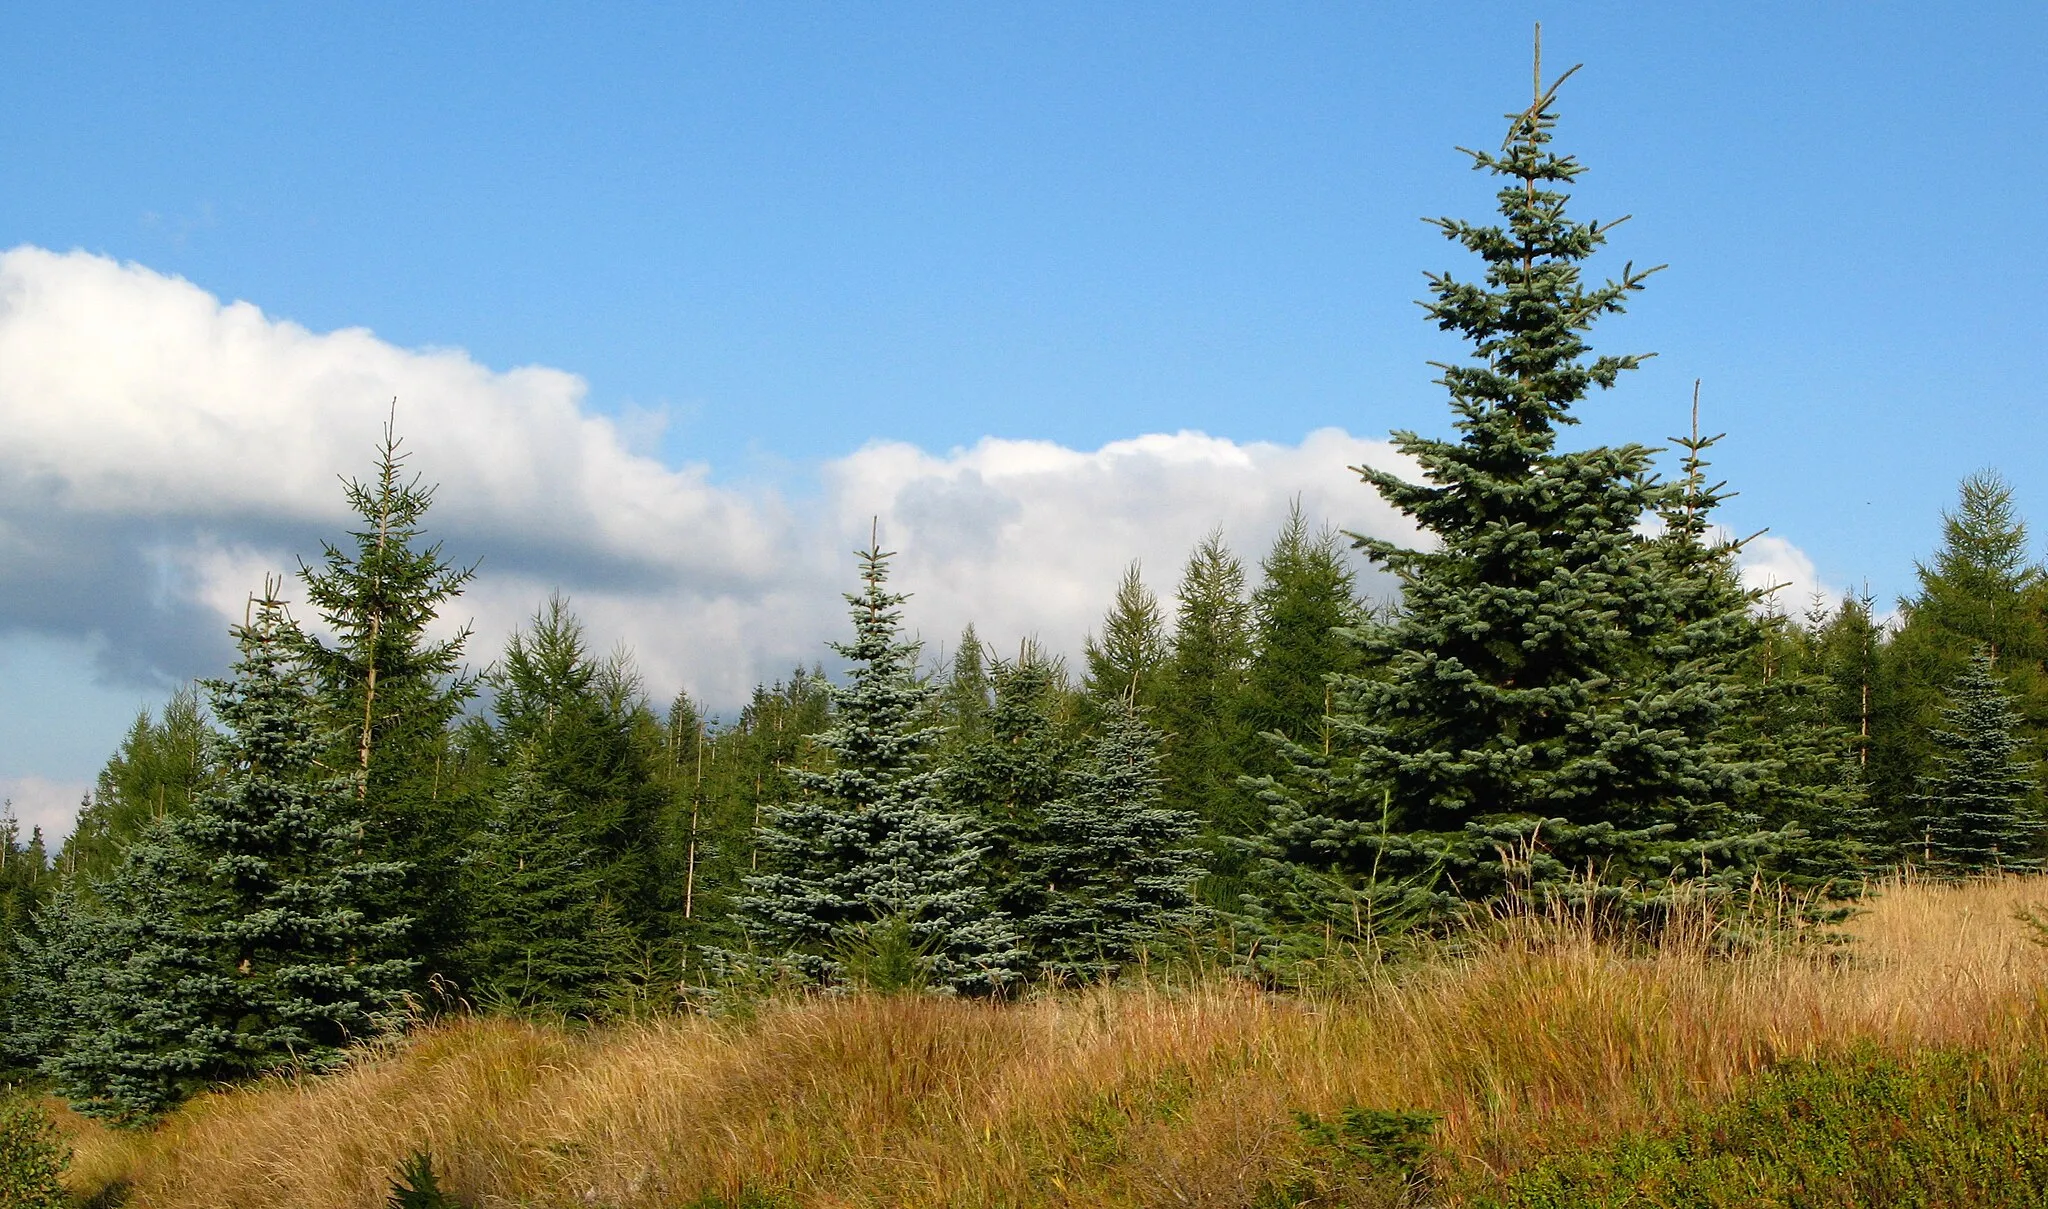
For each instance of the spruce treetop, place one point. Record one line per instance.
(881, 702)
(378, 599)
(1526, 325)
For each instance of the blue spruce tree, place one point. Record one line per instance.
(1120, 866)
(1976, 807)
(238, 938)
(868, 855)
(1532, 712)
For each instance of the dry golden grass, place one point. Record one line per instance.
(1129, 1097)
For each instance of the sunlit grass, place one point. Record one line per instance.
(1533, 1039)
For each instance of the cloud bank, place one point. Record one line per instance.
(164, 451)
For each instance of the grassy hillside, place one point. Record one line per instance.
(1539, 1048)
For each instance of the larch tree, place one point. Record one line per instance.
(1306, 598)
(154, 774)
(1127, 661)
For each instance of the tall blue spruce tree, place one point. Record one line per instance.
(868, 854)
(1523, 720)
(240, 937)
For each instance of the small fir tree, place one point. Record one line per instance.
(1006, 781)
(1128, 661)
(389, 693)
(1198, 707)
(1976, 811)
(543, 933)
(578, 727)
(129, 1009)
(1120, 866)
(1307, 597)
(964, 704)
(867, 849)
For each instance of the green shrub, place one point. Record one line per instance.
(1361, 1157)
(417, 1187)
(1863, 1130)
(32, 1156)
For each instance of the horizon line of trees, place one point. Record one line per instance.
(350, 827)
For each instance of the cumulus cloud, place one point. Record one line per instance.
(166, 451)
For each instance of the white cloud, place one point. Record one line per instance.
(1771, 562)
(167, 450)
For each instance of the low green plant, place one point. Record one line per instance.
(1360, 1157)
(1862, 1131)
(886, 956)
(417, 1187)
(32, 1157)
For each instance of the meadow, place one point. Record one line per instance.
(1494, 1068)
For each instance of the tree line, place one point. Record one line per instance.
(350, 828)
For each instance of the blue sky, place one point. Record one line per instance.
(764, 236)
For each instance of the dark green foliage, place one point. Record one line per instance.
(724, 783)
(868, 839)
(154, 774)
(1771, 749)
(1118, 866)
(1306, 597)
(542, 932)
(1128, 661)
(1007, 780)
(963, 704)
(1806, 780)
(416, 1186)
(388, 693)
(580, 729)
(1865, 1131)
(1536, 711)
(26, 883)
(1198, 707)
(1371, 1156)
(32, 1157)
(1977, 811)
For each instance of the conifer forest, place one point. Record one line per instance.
(1573, 705)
